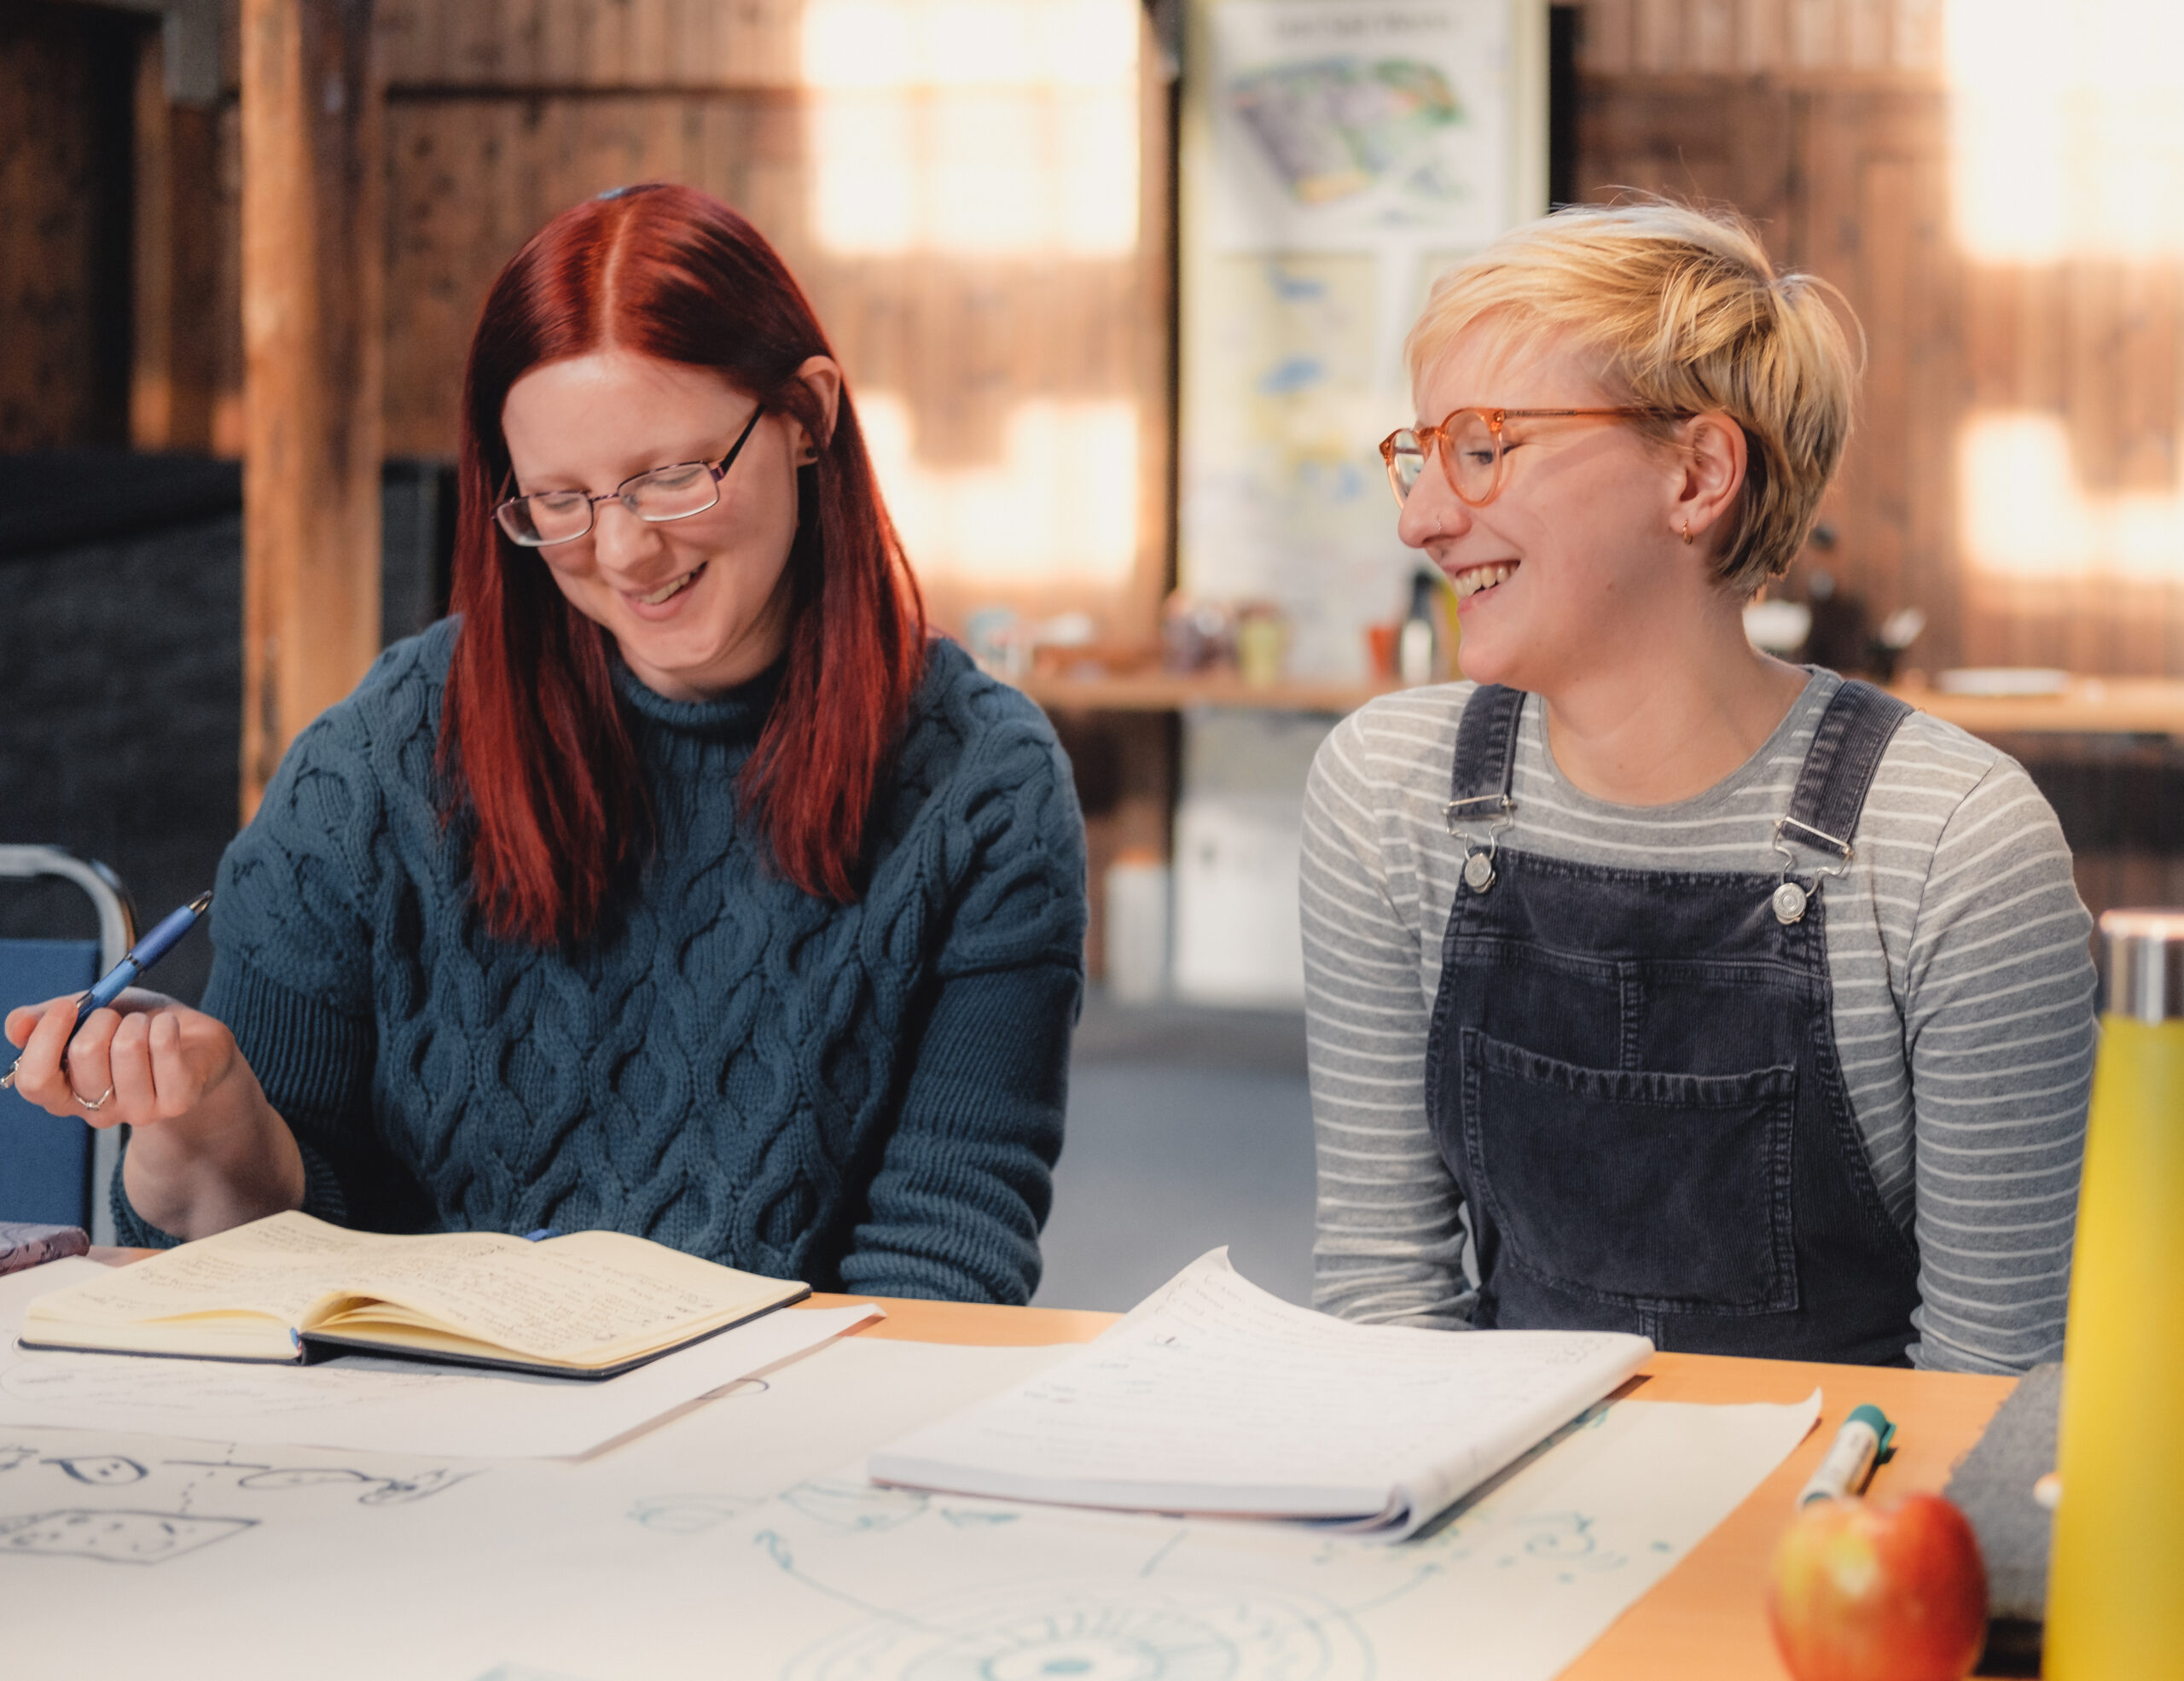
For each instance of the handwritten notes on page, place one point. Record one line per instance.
(360, 1404)
(1213, 1397)
(589, 1300)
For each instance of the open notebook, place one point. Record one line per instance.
(1212, 1397)
(588, 1304)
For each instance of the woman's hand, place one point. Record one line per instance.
(207, 1150)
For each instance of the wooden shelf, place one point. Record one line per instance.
(1162, 692)
(2091, 706)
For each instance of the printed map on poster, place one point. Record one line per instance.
(1339, 125)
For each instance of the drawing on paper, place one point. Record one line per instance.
(689, 1514)
(1334, 126)
(182, 1482)
(851, 1504)
(1175, 1600)
(115, 1537)
(1344, 124)
(1120, 1631)
(150, 1534)
(374, 1488)
(523, 1671)
(101, 1470)
(1564, 1540)
(200, 1387)
(981, 1519)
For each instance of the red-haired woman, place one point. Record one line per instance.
(677, 885)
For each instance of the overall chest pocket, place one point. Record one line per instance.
(1664, 1191)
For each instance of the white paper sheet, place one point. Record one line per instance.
(363, 1405)
(1214, 1396)
(740, 1541)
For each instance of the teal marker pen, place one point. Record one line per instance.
(1865, 1441)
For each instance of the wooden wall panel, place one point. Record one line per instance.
(67, 87)
(472, 176)
(219, 316)
(502, 113)
(1833, 136)
(499, 115)
(1743, 37)
(592, 44)
(180, 335)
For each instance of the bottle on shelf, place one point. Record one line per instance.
(1418, 642)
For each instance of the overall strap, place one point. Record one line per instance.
(1846, 751)
(1486, 757)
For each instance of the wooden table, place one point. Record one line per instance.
(1707, 1621)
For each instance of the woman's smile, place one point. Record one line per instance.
(661, 603)
(1475, 578)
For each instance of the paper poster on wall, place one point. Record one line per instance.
(1347, 126)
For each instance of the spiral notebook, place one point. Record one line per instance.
(1212, 1397)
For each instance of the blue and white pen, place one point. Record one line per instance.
(131, 969)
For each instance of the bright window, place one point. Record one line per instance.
(973, 127)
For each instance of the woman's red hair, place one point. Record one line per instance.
(539, 761)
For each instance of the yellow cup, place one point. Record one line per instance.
(2116, 1583)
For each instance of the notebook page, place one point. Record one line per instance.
(280, 1266)
(570, 1298)
(566, 1299)
(1213, 1396)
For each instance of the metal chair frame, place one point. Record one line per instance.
(117, 917)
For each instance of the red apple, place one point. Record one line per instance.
(1879, 1591)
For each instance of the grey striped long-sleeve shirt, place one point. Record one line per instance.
(1963, 1003)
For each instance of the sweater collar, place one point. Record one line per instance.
(737, 713)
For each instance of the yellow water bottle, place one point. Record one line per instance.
(2115, 1585)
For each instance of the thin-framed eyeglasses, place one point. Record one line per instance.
(547, 517)
(1473, 449)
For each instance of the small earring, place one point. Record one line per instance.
(1686, 533)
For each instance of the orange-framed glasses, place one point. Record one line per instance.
(1474, 454)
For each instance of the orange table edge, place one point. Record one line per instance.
(1706, 1620)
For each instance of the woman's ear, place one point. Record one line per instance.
(824, 377)
(1715, 459)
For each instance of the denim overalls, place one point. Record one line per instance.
(1632, 1075)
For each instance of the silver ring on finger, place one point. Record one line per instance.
(94, 1107)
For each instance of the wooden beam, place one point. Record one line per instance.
(151, 382)
(312, 307)
(175, 278)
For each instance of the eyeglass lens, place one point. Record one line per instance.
(1471, 455)
(559, 517)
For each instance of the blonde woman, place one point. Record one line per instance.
(1655, 984)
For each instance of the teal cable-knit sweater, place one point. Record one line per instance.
(866, 1096)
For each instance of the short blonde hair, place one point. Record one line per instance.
(1682, 311)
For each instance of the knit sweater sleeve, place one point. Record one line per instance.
(964, 1182)
(293, 938)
